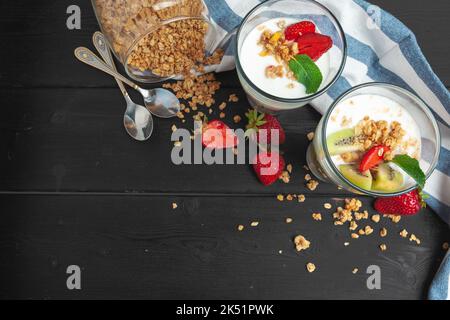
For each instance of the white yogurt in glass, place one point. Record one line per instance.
(349, 112)
(254, 65)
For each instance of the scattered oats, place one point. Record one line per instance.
(355, 271)
(233, 98)
(210, 111)
(289, 168)
(394, 218)
(237, 119)
(383, 247)
(310, 136)
(180, 115)
(222, 115)
(222, 106)
(362, 232)
(285, 177)
(174, 128)
(327, 206)
(376, 218)
(404, 233)
(174, 206)
(240, 227)
(280, 197)
(288, 220)
(312, 184)
(346, 244)
(289, 197)
(354, 235)
(368, 230)
(383, 232)
(301, 243)
(414, 238)
(254, 224)
(317, 216)
(445, 246)
(308, 177)
(353, 225)
(301, 198)
(311, 267)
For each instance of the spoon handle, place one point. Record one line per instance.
(88, 57)
(100, 44)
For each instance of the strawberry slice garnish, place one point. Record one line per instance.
(314, 45)
(373, 157)
(261, 121)
(217, 135)
(406, 204)
(268, 167)
(295, 30)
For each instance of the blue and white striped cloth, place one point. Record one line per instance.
(387, 53)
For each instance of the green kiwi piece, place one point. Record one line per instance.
(342, 141)
(385, 178)
(352, 174)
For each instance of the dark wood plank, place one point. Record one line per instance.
(74, 140)
(35, 32)
(138, 247)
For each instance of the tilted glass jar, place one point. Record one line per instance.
(156, 39)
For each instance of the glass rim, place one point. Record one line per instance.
(305, 98)
(424, 107)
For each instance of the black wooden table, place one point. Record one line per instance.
(76, 190)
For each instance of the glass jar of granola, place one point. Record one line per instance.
(157, 39)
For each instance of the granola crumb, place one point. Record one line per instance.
(311, 267)
(289, 197)
(376, 218)
(308, 177)
(289, 168)
(395, 218)
(368, 230)
(312, 184)
(233, 98)
(310, 136)
(346, 244)
(353, 225)
(222, 115)
(280, 197)
(414, 238)
(237, 119)
(174, 205)
(404, 233)
(383, 247)
(288, 220)
(240, 227)
(383, 232)
(222, 106)
(317, 216)
(327, 206)
(445, 246)
(354, 235)
(254, 224)
(355, 271)
(301, 198)
(301, 243)
(285, 177)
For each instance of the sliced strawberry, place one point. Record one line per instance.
(406, 204)
(264, 125)
(268, 167)
(373, 157)
(295, 30)
(217, 135)
(314, 45)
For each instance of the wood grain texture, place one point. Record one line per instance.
(75, 189)
(139, 247)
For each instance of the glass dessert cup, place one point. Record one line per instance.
(299, 10)
(322, 165)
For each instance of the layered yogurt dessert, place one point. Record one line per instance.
(286, 58)
(365, 133)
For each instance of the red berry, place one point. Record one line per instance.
(217, 135)
(260, 121)
(373, 157)
(406, 204)
(314, 45)
(268, 167)
(295, 30)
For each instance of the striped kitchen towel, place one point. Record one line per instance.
(387, 52)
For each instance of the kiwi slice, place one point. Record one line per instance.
(386, 178)
(342, 141)
(352, 174)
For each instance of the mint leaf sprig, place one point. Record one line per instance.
(411, 167)
(306, 72)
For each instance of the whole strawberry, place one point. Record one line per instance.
(406, 204)
(293, 31)
(268, 167)
(261, 121)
